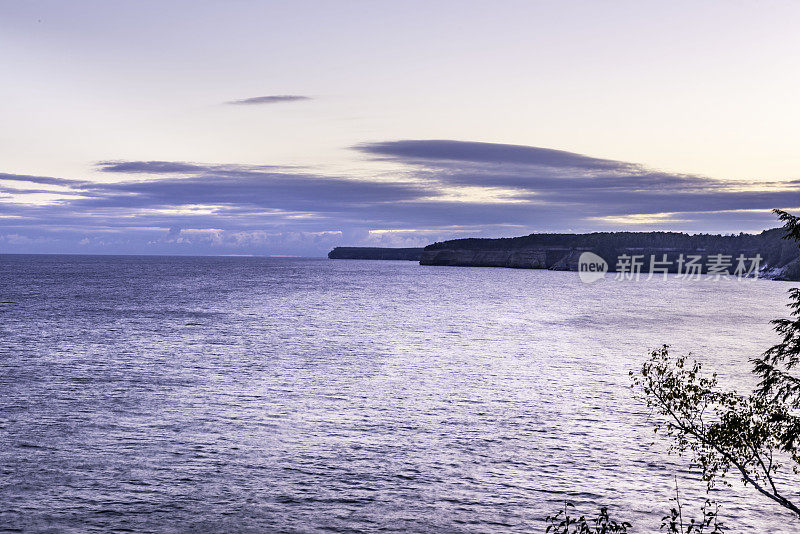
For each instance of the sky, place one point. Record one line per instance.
(288, 128)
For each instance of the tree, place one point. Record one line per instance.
(720, 429)
(755, 434)
(776, 366)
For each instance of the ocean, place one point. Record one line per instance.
(231, 394)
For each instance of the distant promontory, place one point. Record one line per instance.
(375, 253)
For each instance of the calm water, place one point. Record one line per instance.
(245, 394)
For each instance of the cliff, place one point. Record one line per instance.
(780, 259)
(375, 253)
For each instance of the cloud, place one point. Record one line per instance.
(152, 167)
(417, 151)
(43, 180)
(241, 187)
(581, 185)
(272, 99)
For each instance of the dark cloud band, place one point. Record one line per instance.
(530, 189)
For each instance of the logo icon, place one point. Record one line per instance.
(591, 267)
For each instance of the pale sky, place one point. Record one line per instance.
(389, 123)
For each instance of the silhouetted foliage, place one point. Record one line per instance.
(710, 524)
(676, 524)
(564, 523)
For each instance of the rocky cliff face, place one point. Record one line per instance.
(541, 258)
